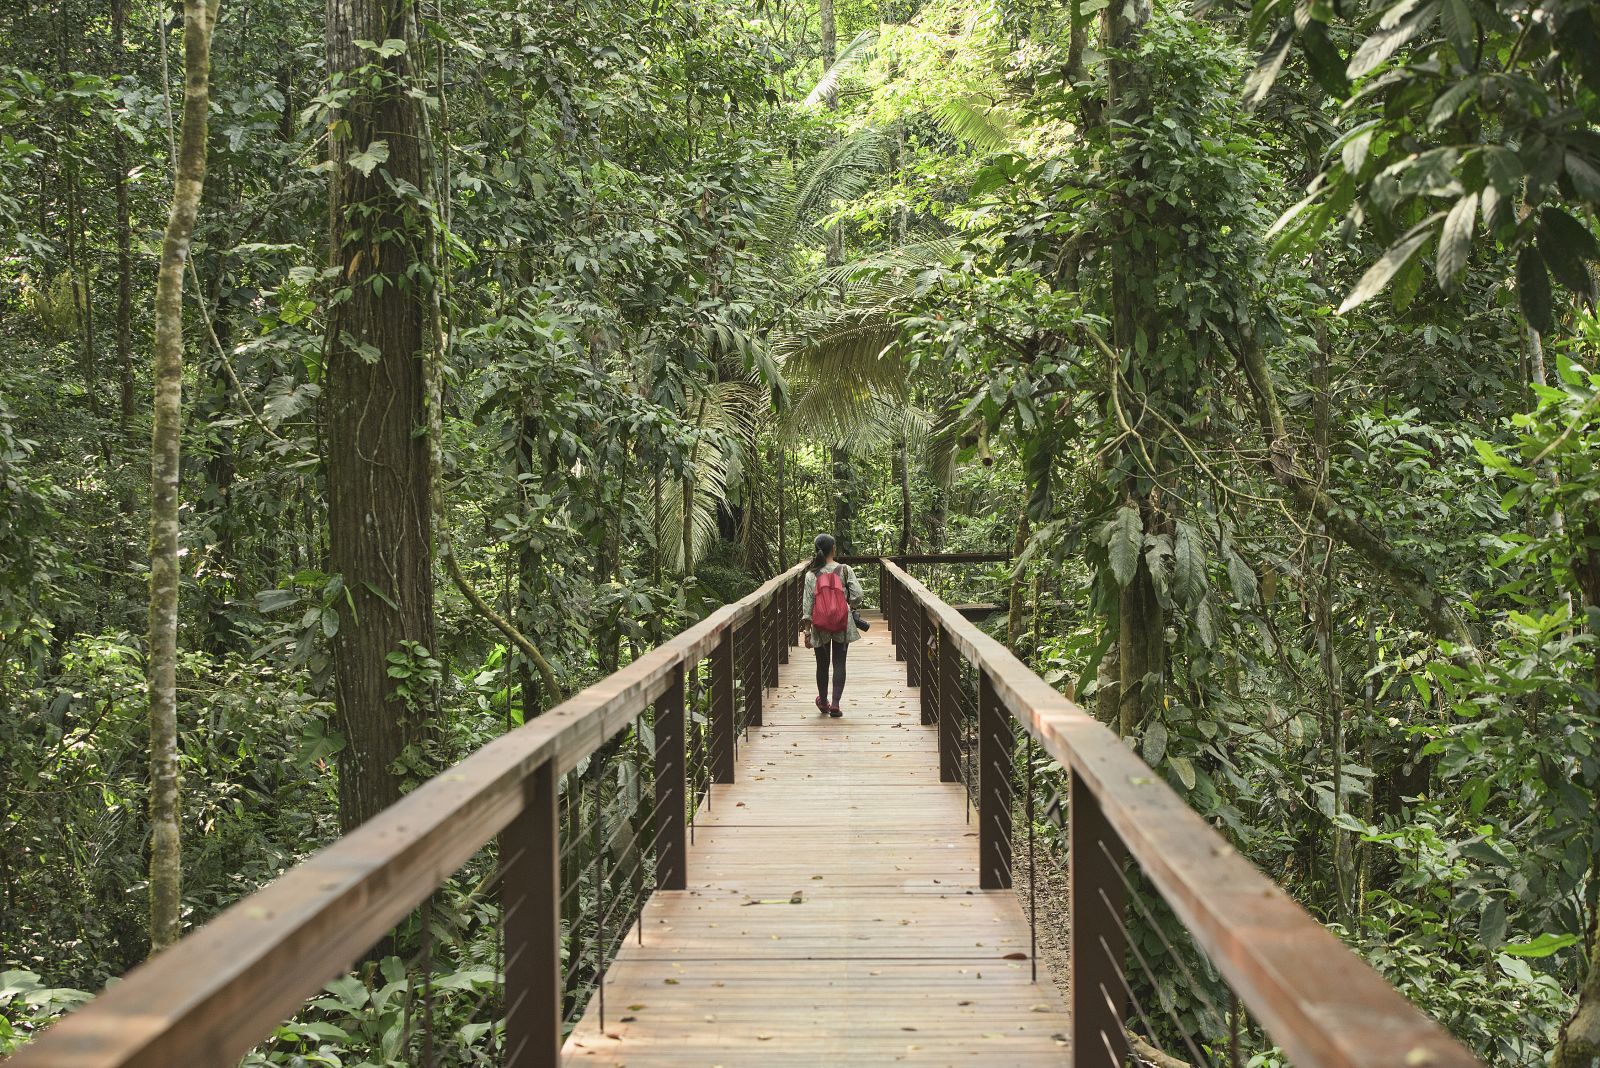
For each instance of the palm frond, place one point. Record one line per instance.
(854, 54)
(974, 123)
(840, 173)
(727, 416)
(890, 421)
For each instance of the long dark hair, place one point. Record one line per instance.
(824, 547)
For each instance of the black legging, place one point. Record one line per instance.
(840, 651)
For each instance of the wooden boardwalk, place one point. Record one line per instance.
(833, 914)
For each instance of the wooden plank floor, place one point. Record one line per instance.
(833, 914)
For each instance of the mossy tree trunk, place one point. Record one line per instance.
(166, 841)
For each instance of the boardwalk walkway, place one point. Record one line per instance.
(833, 914)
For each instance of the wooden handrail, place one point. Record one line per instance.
(223, 989)
(1319, 1001)
(927, 558)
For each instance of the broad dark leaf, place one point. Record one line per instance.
(1568, 247)
(1125, 539)
(1585, 177)
(1455, 19)
(1533, 290)
(1324, 61)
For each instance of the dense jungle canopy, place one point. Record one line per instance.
(376, 375)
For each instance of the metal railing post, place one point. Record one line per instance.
(758, 665)
(915, 616)
(531, 846)
(898, 595)
(780, 625)
(995, 742)
(950, 718)
(672, 854)
(1096, 899)
(886, 595)
(927, 667)
(724, 722)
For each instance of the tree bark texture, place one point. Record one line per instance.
(375, 459)
(166, 851)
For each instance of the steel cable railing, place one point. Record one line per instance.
(1178, 951)
(535, 854)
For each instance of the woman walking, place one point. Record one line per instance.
(832, 594)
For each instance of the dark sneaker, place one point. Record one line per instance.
(835, 711)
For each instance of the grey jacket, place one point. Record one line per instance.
(852, 593)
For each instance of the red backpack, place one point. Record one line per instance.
(830, 611)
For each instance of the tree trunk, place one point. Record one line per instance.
(119, 11)
(82, 298)
(1141, 645)
(903, 477)
(783, 515)
(938, 514)
(376, 462)
(1579, 1045)
(844, 501)
(1014, 605)
(166, 856)
(830, 39)
(530, 573)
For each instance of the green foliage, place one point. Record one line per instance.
(989, 283)
(1454, 112)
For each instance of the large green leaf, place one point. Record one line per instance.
(1377, 49)
(1542, 946)
(1269, 64)
(1124, 540)
(1455, 239)
(1189, 566)
(1379, 274)
(1241, 578)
